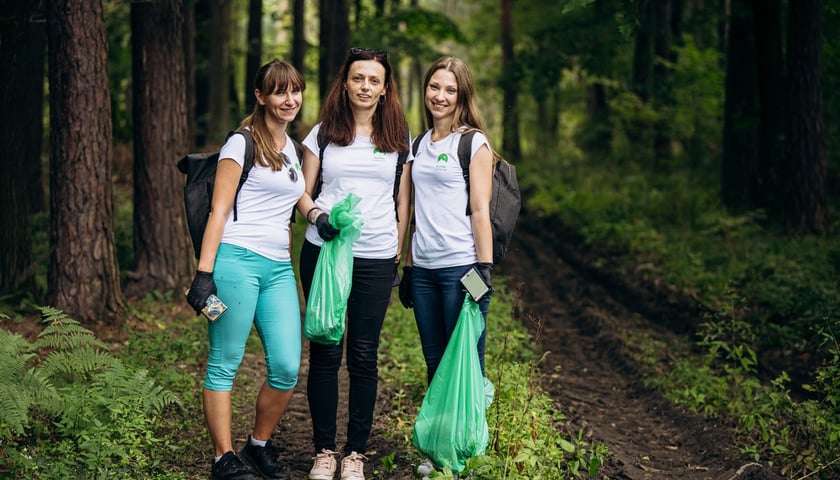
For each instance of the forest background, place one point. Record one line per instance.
(696, 140)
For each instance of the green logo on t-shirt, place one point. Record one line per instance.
(378, 154)
(443, 158)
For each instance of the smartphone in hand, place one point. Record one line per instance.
(474, 284)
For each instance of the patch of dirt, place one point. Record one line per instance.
(586, 317)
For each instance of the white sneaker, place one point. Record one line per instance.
(324, 467)
(353, 467)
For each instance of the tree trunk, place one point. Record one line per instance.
(739, 166)
(22, 55)
(83, 276)
(218, 74)
(510, 86)
(253, 55)
(771, 147)
(805, 166)
(643, 52)
(161, 243)
(334, 41)
(188, 7)
(663, 96)
(298, 53)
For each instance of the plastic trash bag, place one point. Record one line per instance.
(331, 282)
(452, 424)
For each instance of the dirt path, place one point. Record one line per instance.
(585, 317)
(586, 321)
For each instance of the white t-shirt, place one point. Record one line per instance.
(367, 172)
(265, 203)
(443, 235)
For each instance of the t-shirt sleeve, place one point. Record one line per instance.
(234, 149)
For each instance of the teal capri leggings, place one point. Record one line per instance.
(257, 291)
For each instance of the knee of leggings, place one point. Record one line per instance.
(282, 376)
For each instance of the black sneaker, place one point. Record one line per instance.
(230, 467)
(264, 460)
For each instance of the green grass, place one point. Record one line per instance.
(770, 291)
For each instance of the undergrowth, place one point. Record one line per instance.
(772, 293)
(70, 409)
(528, 435)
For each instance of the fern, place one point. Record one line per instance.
(65, 393)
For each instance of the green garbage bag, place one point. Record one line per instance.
(331, 282)
(451, 425)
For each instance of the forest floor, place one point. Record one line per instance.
(584, 317)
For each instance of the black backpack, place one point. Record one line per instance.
(323, 141)
(506, 200)
(200, 169)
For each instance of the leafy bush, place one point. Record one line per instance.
(72, 410)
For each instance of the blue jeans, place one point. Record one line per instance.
(438, 297)
(366, 307)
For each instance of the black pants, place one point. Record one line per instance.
(366, 307)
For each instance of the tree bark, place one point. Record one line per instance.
(805, 165)
(218, 73)
(253, 55)
(188, 7)
(161, 242)
(83, 275)
(510, 85)
(771, 71)
(22, 54)
(663, 95)
(739, 166)
(334, 39)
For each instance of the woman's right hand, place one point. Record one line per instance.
(325, 228)
(202, 287)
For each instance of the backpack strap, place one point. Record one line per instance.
(401, 158)
(464, 157)
(248, 163)
(416, 145)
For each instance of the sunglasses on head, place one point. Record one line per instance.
(368, 52)
(288, 164)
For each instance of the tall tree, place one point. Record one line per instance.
(510, 85)
(739, 166)
(22, 52)
(771, 98)
(83, 275)
(160, 132)
(298, 52)
(661, 29)
(805, 164)
(188, 7)
(253, 51)
(334, 42)
(219, 71)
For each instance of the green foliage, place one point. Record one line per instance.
(528, 438)
(72, 410)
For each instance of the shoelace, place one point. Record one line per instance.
(354, 464)
(325, 459)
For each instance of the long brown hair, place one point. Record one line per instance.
(390, 131)
(274, 76)
(466, 110)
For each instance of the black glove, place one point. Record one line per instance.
(202, 287)
(486, 271)
(405, 288)
(325, 229)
